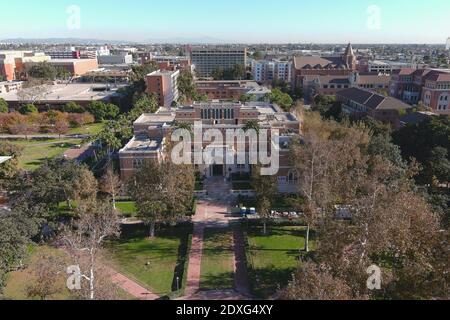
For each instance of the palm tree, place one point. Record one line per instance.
(184, 126)
(252, 125)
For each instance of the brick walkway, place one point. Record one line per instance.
(131, 287)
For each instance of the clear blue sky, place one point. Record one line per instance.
(275, 21)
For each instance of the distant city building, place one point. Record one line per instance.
(116, 59)
(380, 67)
(447, 46)
(342, 65)
(268, 71)
(330, 85)
(231, 90)
(164, 84)
(430, 86)
(12, 62)
(10, 86)
(359, 103)
(64, 54)
(209, 59)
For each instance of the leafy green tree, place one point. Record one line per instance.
(218, 74)
(419, 140)
(247, 98)
(381, 145)
(172, 192)
(284, 100)
(145, 104)
(266, 190)
(439, 165)
(186, 85)
(73, 107)
(4, 108)
(102, 111)
(9, 169)
(56, 181)
(139, 72)
(28, 108)
(109, 140)
(43, 70)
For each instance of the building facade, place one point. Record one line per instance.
(152, 130)
(268, 71)
(342, 65)
(430, 86)
(116, 59)
(209, 59)
(231, 90)
(359, 103)
(164, 85)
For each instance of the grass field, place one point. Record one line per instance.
(154, 263)
(36, 151)
(217, 270)
(18, 281)
(273, 257)
(126, 207)
(90, 129)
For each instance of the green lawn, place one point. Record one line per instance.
(273, 257)
(18, 281)
(36, 151)
(155, 263)
(126, 207)
(217, 262)
(90, 129)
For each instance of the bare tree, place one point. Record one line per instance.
(61, 127)
(23, 128)
(48, 277)
(35, 90)
(84, 240)
(390, 223)
(111, 184)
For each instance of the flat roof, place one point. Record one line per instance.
(162, 117)
(69, 92)
(142, 144)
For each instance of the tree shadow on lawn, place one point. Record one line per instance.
(217, 281)
(139, 232)
(300, 232)
(267, 281)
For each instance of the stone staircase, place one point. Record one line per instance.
(218, 188)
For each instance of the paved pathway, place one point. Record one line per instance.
(213, 212)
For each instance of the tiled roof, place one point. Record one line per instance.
(372, 100)
(312, 62)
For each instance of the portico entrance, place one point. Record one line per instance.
(217, 170)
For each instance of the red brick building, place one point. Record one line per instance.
(151, 130)
(343, 65)
(432, 87)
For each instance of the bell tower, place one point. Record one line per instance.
(349, 57)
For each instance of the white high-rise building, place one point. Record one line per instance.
(267, 71)
(447, 46)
